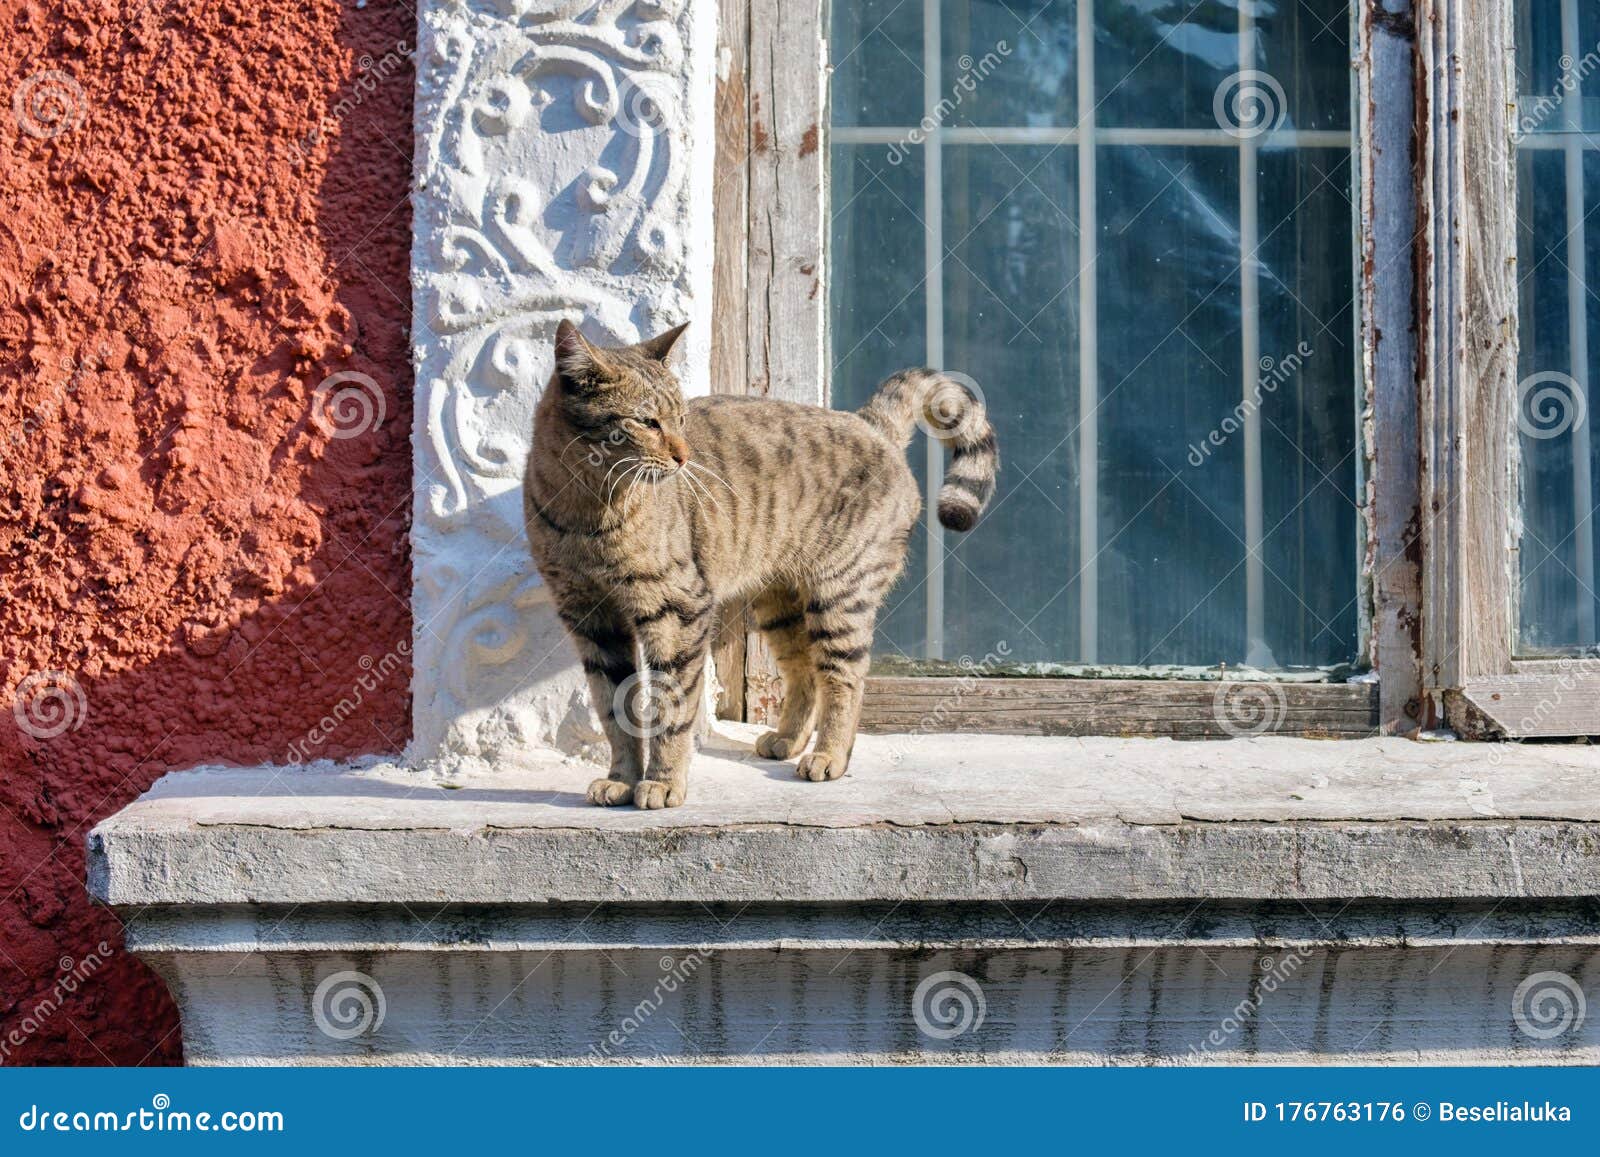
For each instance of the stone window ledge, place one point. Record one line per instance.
(946, 818)
(1109, 900)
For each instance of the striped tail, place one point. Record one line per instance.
(952, 413)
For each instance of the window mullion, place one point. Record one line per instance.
(1088, 350)
(933, 259)
(1256, 653)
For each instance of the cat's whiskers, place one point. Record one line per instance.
(632, 478)
(697, 488)
(732, 493)
(701, 466)
(698, 505)
(610, 494)
(692, 491)
(647, 470)
(621, 462)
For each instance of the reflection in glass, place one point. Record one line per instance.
(1130, 224)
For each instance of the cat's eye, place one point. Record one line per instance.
(649, 423)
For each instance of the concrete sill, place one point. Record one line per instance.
(1104, 900)
(918, 818)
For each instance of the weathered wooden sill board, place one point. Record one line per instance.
(1531, 706)
(1181, 709)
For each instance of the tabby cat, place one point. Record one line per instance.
(646, 513)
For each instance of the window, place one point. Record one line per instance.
(1130, 226)
(1508, 634)
(1558, 178)
(1283, 312)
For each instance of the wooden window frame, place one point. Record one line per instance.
(1435, 108)
(1470, 461)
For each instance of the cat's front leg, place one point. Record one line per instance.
(609, 662)
(677, 660)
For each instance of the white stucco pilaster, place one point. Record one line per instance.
(564, 153)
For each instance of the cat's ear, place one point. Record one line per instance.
(660, 346)
(577, 362)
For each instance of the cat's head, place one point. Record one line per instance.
(623, 401)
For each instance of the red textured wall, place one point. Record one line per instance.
(203, 215)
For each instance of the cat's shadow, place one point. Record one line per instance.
(779, 769)
(718, 746)
(744, 751)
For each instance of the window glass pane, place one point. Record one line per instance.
(878, 322)
(1159, 313)
(875, 47)
(1558, 64)
(1172, 579)
(1308, 418)
(1010, 64)
(1009, 216)
(1172, 63)
(1558, 178)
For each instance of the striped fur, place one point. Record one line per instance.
(949, 411)
(647, 514)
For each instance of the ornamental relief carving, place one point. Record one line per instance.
(555, 177)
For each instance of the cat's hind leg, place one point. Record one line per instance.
(839, 614)
(780, 616)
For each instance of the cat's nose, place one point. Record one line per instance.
(679, 451)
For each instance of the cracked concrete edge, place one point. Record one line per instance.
(1465, 860)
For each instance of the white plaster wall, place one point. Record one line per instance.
(564, 155)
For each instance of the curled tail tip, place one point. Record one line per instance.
(958, 512)
(967, 489)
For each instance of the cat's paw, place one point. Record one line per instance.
(820, 765)
(772, 745)
(650, 794)
(609, 792)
